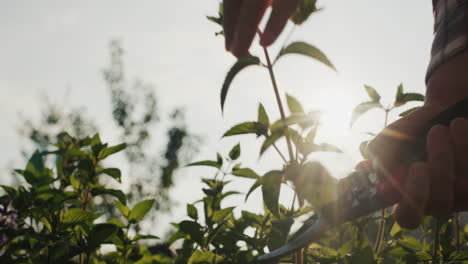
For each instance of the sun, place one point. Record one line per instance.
(335, 118)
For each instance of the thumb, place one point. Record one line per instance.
(386, 148)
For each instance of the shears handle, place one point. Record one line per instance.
(389, 191)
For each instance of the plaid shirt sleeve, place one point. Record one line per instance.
(450, 31)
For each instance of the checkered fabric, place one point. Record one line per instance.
(450, 31)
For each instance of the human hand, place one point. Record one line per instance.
(437, 186)
(241, 19)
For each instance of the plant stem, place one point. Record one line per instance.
(381, 230)
(281, 154)
(456, 220)
(278, 100)
(435, 248)
(380, 233)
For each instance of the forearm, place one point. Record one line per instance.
(447, 75)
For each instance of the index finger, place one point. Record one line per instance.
(282, 10)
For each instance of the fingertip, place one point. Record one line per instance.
(282, 10)
(410, 211)
(406, 218)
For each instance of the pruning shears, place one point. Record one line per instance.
(363, 192)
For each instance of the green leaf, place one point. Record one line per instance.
(235, 69)
(245, 173)
(459, 255)
(263, 116)
(209, 163)
(220, 215)
(235, 152)
(207, 257)
(9, 190)
(399, 96)
(409, 97)
(271, 187)
(247, 128)
(123, 209)
(76, 216)
(303, 120)
(111, 150)
(100, 234)
(294, 105)
(192, 211)
(116, 193)
(114, 173)
(279, 233)
(139, 237)
(116, 222)
(324, 147)
(254, 186)
(59, 251)
(270, 140)
(193, 229)
(373, 94)
(361, 109)
(407, 112)
(313, 183)
(303, 11)
(36, 173)
(139, 211)
(306, 49)
(219, 160)
(410, 243)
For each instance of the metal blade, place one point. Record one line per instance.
(359, 200)
(311, 231)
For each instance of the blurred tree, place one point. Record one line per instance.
(135, 113)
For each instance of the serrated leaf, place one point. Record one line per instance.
(245, 173)
(279, 233)
(235, 152)
(271, 186)
(209, 163)
(254, 186)
(114, 173)
(361, 109)
(192, 211)
(303, 11)
(140, 210)
(407, 112)
(459, 255)
(241, 64)
(263, 116)
(247, 128)
(111, 150)
(372, 93)
(76, 216)
(100, 234)
(294, 105)
(303, 48)
(220, 215)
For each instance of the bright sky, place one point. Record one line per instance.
(51, 46)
